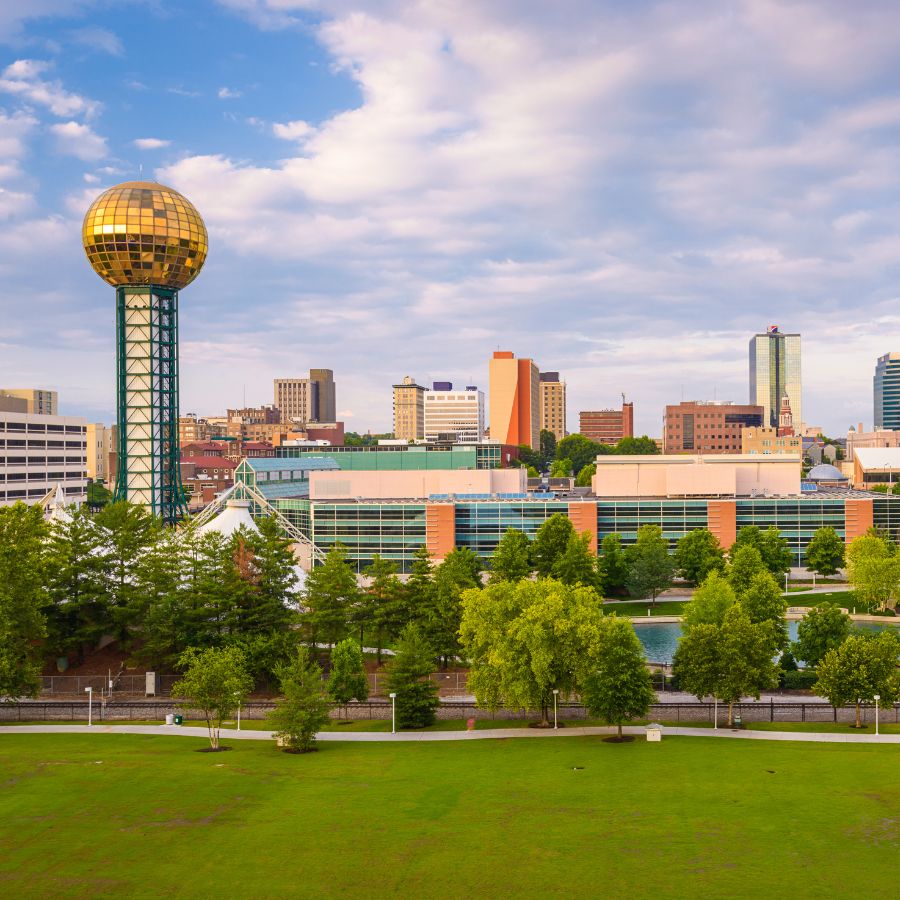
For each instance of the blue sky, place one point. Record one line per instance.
(623, 191)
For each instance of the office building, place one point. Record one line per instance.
(515, 400)
(37, 402)
(403, 456)
(887, 392)
(553, 404)
(38, 452)
(607, 426)
(409, 410)
(310, 399)
(99, 445)
(455, 416)
(766, 441)
(774, 372)
(708, 426)
(858, 438)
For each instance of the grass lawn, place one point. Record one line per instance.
(662, 608)
(134, 816)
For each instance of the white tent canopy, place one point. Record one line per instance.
(235, 515)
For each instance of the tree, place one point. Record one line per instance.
(22, 597)
(548, 447)
(409, 677)
(861, 667)
(550, 542)
(331, 593)
(215, 682)
(347, 680)
(586, 476)
(823, 628)
(637, 446)
(383, 603)
(774, 550)
(709, 604)
(612, 565)
(440, 616)
(825, 552)
(529, 458)
(620, 689)
(577, 564)
(746, 563)
(512, 558)
(580, 450)
(525, 639)
(561, 468)
(304, 708)
(764, 602)
(650, 568)
(874, 571)
(697, 554)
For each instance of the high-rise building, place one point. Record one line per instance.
(607, 426)
(553, 404)
(456, 416)
(148, 242)
(409, 410)
(887, 392)
(310, 399)
(515, 413)
(99, 444)
(37, 402)
(708, 427)
(774, 372)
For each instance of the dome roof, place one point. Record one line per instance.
(141, 232)
(826, 472)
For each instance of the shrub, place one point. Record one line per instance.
(801, 680)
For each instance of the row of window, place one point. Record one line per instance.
(33, 428)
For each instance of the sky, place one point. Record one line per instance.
(623, 191)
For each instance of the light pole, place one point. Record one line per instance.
(877, 698)
(716, 714)
(786, 582)
(239, 700)
(555, 696)
(90, 692)
(393, 713)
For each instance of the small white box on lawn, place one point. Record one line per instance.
(654, 732)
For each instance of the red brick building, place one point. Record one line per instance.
(708, 427)
(607, 426)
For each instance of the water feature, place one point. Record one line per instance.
(661, 638)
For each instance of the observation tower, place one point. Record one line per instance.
(148, 242)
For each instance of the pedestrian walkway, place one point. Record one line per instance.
(482, 735)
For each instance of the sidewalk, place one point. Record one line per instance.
(483, 735)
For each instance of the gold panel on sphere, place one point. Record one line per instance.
(141, 232)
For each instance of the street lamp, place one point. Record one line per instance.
(90, 692)
(393, 713)
(237, 694)
(716, 714)
(877, 698)
(786, 582)
(555, 696)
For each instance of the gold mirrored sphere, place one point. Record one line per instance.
(141, 232)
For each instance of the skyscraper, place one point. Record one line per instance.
(409, 410)
(454, 415)
(553, 404)
(515, 400)
(774, 372)
(148, 242)
(887, 392)
(309, 399)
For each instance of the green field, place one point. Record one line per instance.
(133, 816)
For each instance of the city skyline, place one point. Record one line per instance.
(411, 210)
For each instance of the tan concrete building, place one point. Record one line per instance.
(553, 404)
(99, 446)
(455, 416)
(409, 410)
(766, 441)
(515, 403)
(37, 402)
(192, 429)
(708, 426)
(310, 399)
(877, 439)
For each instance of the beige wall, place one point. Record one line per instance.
(663, 476)
(373, 485)
(766, 441)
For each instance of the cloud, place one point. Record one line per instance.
(22, 79)
(298, 130)
(101, 39)
(225, 93)
(77, 139)
(150, 143)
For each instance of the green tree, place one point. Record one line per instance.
(409, 677)
(440, 617)
(697, 554)
(861, 667)
(530, 458)
(612, 565)
(550, 542)
(764, 602)
(873, 569)
(825, 552)
(216, 682)
(637, 446)
(746, 563)
(532, 472)
(586, 476)
(527, 638)
(709, 603)
(512, 558)
(303, 711)
(347, 680)
(561, 468)
(548, 447)
(650, 568)
(580, 450)
(578, 563)
(331, 594)
(620, 688)
(823, 628)
(383, 603)
(774, 550)
(22, 597)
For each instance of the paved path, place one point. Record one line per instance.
(482, 735)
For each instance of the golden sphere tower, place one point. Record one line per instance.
(147, 241)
